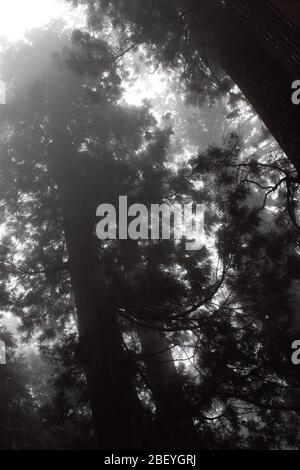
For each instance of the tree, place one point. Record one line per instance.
(203, 36)
(19, 426)
(81, 164)
(49, 145)
(247, 343)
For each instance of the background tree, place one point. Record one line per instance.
(19, 426)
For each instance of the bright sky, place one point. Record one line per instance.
(18, 16)
(148, 87)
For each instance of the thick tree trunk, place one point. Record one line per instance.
(172, 410)
(275, 32)
(117, 411)
(290, 9)
(161, 370)
(265, 78)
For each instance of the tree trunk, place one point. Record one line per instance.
(265, 80)
(161, 370)
(173, 418)
(273, 30)
(117, 411)
(290, 8)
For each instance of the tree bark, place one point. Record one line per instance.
(275, 32)
(117, 411)
(257, 64)
(290, 8)
(172, 410)
(161, 370)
